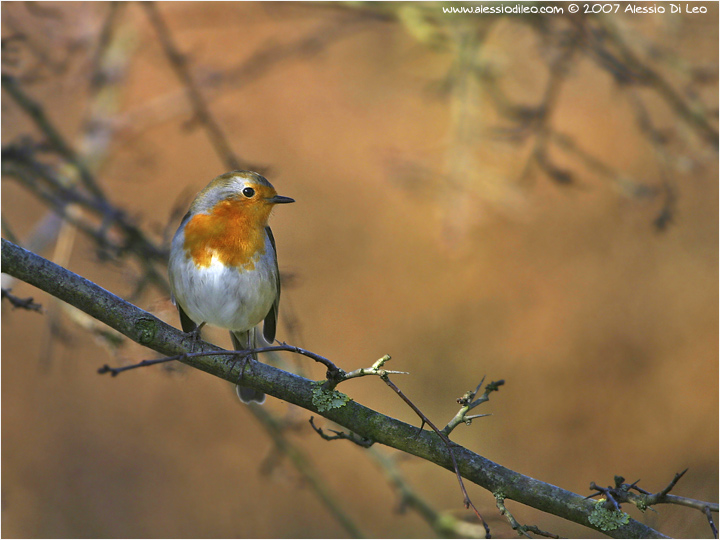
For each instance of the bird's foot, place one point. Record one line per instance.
(245, 359)
(246, 394)
(194, 337)
(195, 334)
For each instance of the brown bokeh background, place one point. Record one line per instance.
(416, 233)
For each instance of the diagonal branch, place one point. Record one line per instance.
(151, 332)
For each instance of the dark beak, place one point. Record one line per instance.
(279, 199)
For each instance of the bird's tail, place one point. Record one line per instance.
(243, 341)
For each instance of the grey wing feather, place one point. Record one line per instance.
(188, 325)
(270, 324)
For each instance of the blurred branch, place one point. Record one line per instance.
(658, 142)
(558, 69)
(149, 331)
(178, 62)
(261, 61)
(627, 68)
(107, 225)
(111, 229)
(444, 524)
(301, 462)
(37, 114)
(24, 303)
(564, 41)
(7, 231)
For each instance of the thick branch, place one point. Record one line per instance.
(148, 330)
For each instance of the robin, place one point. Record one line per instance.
(223, 265)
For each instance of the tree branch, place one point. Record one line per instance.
(149, 331)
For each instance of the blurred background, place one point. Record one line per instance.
(531, 198)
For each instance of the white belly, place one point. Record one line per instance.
(225, 296)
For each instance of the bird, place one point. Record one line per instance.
(223, 265)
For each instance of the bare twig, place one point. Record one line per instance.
(340, 435)
(469, 402)
(375, 369)
(184, 356)
(448, 444)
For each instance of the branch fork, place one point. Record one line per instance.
(469, 402)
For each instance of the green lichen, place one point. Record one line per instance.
(325, 400)
(607, 520)
(146, 330)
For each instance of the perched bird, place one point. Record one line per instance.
(223, 266)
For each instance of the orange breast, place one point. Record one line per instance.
(232, 232)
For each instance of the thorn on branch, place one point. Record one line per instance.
(335, 375)
(608, 494)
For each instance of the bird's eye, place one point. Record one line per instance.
(248, 192)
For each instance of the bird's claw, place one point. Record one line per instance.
(195, 334)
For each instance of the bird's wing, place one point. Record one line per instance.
(187, 323)
(270, 324)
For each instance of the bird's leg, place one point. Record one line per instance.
(195, 333)
(241, 346)
(245, 362)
